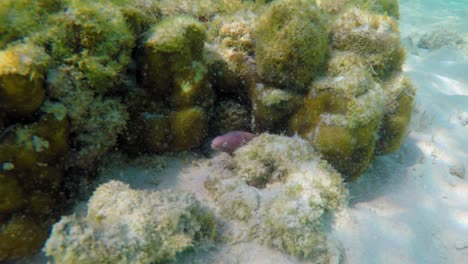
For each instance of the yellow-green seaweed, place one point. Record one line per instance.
(375, 37)
(291, 43)
(397, 115)
(188, 128)
(22, 67)
(20, 236)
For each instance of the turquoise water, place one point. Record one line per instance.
(427, 14)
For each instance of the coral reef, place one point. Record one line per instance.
(79, 79)
(122, 225)
(59, 62)
(173, 69)
(231, 50)
(281, 192)
(345, 111)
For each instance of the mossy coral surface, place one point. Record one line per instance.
(375, 37)
(188, 128)
(383, 7)
(291, 43)
(272, 106)
(280, 191)
(31, 162)
(170, 48)
(342, 114)
(122, 225)
(397, 114)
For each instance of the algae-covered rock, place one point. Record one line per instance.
(333, 6)
(22, 67)
(279, 191)
(99, 113)
(230, 115)
(11, 194)
(188, 128)
(150, 131)
(31, 169)
(375, 37)
(231, 51)
(439, 38)
(399, 104)
(31, 159)
(92, 38)
(20, 236)
(139, 14)
(31, 147)
(169, 47)
(291, 43)
(21, 18)
(271, 106)
(191, 88)
(384, 7)
(172, 68)
(123, 225)
(341, 115)
(148, 128)
(201, 9)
